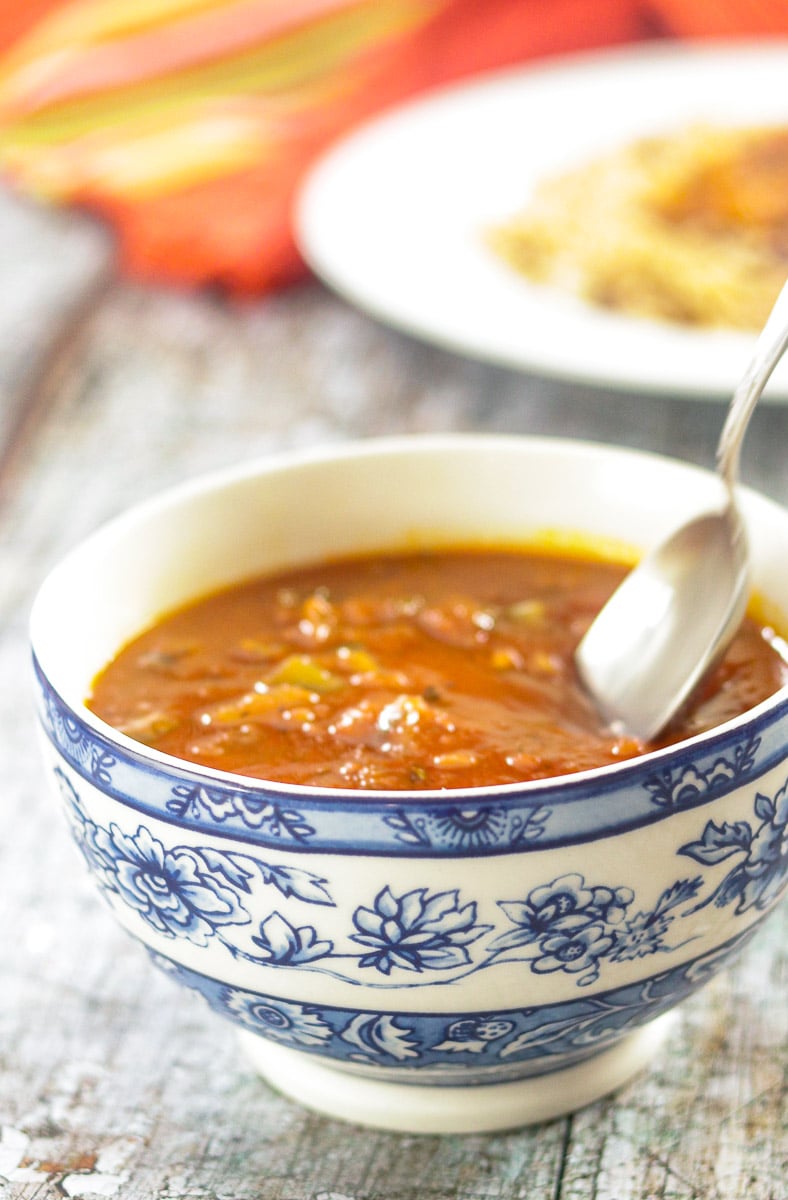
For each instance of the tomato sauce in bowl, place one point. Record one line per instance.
(451, 669)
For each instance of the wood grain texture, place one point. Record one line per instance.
(113, 1082)
(52, 266)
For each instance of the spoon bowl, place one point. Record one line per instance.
(672, 618)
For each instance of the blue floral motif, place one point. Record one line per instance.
(757, 880)
(189, 891)
(561, 906)
(475, 1034)
(379, 1034)
(294, 1024)
(468, 827)
(416, 931)
(284, 945)
(95, 759)
(507, 1043)
(644, 933)
(676, 789)
(254, 811)
(592, 1023)
(568, 926)
(173, 891)
(576, 951)
(294, 881)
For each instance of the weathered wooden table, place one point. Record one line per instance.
(112, 1081)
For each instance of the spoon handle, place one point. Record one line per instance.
(769, 349)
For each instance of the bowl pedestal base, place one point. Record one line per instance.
(423, 1108)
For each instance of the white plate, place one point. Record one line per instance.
(393, 216)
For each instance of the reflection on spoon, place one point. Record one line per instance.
(674, 615)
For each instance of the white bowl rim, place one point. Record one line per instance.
(365, 447)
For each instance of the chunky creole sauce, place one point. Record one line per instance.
(428, 670)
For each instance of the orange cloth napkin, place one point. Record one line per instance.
(189, 124)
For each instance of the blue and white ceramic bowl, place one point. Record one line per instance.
(429, 961)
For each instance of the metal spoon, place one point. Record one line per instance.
(674, 615)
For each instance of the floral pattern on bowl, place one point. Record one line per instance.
(439, 1047)
(551, 813)
(207, 896)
